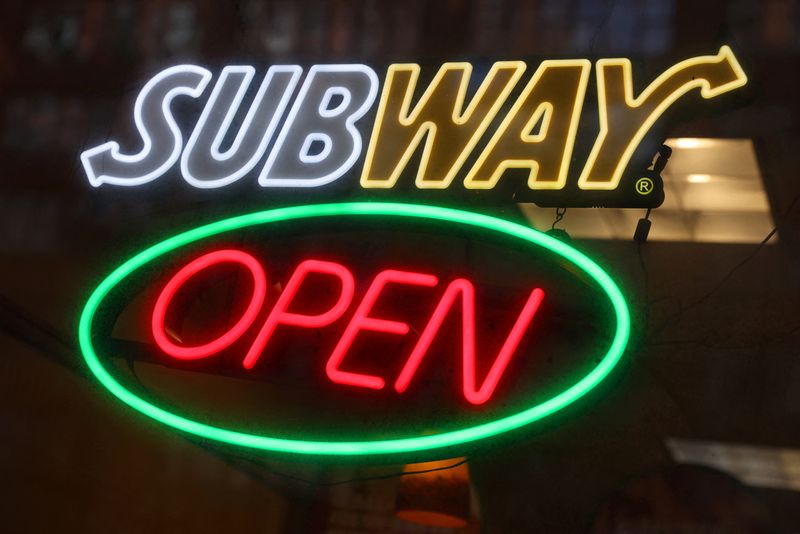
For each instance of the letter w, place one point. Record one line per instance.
(449, 130)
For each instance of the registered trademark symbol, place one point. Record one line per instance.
(644, 186)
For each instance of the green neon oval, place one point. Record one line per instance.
(377, 447)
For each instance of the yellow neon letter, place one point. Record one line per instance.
(451, 132)
(624, 120)
(552, 100)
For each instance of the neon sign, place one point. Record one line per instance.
(496, 341)
(319, 141)
(361, 320)
(362, 314)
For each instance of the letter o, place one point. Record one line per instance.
(226, 339)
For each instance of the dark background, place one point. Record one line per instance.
(714, 356)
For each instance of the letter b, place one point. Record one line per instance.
(316, 118)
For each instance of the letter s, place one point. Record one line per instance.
(162, 141)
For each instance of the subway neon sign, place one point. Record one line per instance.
(377, 328)
(303, 129)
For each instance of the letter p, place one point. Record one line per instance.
(280, 313)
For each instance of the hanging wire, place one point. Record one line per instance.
(560, 212)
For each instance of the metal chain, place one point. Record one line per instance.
(559, 215)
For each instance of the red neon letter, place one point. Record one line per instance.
(362, 321)
(281, 315)
(222, 342)
(467, 291)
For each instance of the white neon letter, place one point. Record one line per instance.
(202, 163)
(161, 138)
(290, 164)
